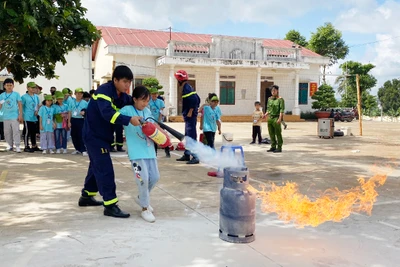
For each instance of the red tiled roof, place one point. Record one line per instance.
(159, 39)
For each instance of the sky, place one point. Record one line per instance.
(369, 27)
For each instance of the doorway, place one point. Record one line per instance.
(193, 84)
(265, 94)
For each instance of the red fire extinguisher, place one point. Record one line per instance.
(158, 137)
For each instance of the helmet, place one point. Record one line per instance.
(181, 75)
(180, 146)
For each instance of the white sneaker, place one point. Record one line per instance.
(150, 208)
(44, 151)
(18, 150)
(75, 152)
(65, 151)
(148, 216)
(84, 154)
(58, 151)
(51, 151)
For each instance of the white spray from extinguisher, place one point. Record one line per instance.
(214, 158)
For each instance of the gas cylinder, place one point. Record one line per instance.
(237, 220)
(159, 137)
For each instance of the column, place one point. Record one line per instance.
(217, 81)
(172, 92)
(259, 85)
(296, 110)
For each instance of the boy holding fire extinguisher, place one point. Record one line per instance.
(141, 151)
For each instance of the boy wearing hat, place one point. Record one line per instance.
(47, 125)
(10, 103)
(30, 106)
(60, 114)
(77, 109)
(157, 106)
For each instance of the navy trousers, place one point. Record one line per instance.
(77, 134)
(190, 130)
(100, 176)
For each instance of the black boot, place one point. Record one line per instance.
(279, 150)
(193, 161)
(89, 201)
(272, 149)
(115, 211)
(184, 158)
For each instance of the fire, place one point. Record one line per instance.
(331, 205)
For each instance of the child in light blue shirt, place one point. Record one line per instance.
(11, 105)
(141, 151)
(47, 125)
(61, 114)
(156, 107)
(211, 121)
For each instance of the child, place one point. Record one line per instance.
(141, 151)
(211, 120)
(257, 120)
(156, 106)
(30, 105)
(60, 117)
(47, 125)
(10, 103)
(76, 121)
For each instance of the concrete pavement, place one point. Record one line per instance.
(41, 224)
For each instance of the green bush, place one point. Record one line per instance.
(308, 115)
(324, 98)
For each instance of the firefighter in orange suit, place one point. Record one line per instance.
(101, 114)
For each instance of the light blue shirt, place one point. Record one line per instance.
(58, 110)
(210, 119)
(76, 107)
(30, 104)
(68, 101)
(10, 105)
(47, 118)
(139, 146)
(155, 107)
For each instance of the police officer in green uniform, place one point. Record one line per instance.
(275, 110)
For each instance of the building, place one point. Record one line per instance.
(76, 73)
(237, 69)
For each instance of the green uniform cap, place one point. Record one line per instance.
(59, 94)
(48, 97)
(214, 98)
(78, 90)
(65, 91)
(31, 84)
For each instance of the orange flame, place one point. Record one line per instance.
(332, 205)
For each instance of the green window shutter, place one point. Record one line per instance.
(303, 93)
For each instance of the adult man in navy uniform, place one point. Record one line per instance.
(101, 114)
(190, 106)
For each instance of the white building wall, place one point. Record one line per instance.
(141, 66)
(75, 73)
(103, 63)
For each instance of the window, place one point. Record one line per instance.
(138, 82)
(303, 93)
(227, 93)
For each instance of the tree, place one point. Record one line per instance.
(36, 34)
(348, 86)
(389, 96)
(327, 41)
(296, 37)
(152, 83)
(325, 98)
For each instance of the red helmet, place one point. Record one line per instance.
(181, 75)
